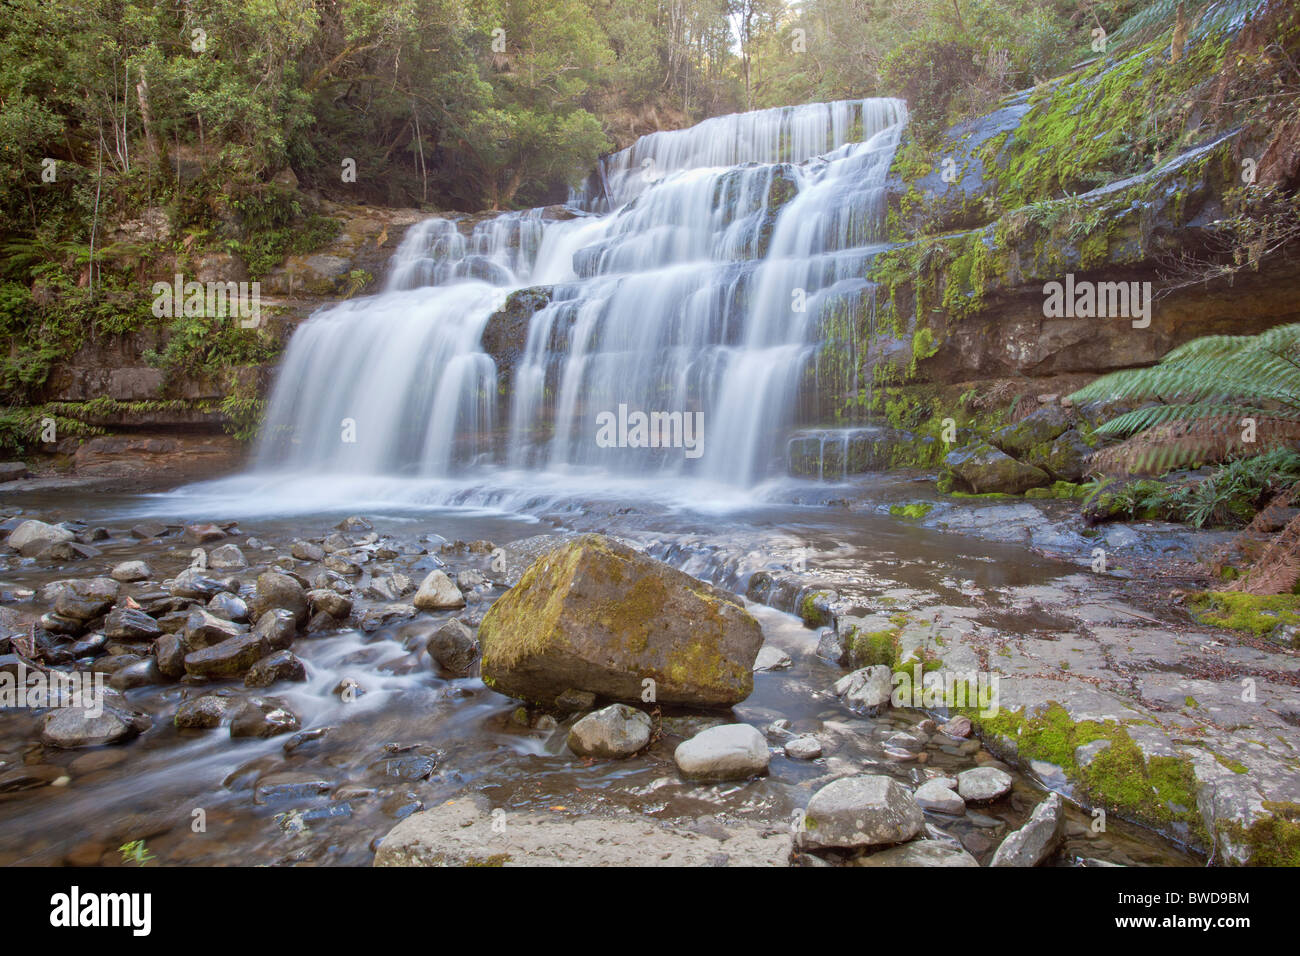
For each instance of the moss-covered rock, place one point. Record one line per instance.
(983, 469)
(595, 615)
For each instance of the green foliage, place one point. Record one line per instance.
(1211, 388)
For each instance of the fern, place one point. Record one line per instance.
(1205, 396)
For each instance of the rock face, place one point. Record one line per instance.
(729, 752)
(1037, 839)
(615, 731)
(862, 811)
(595, 615)
(464, 832)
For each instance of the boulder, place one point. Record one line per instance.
(194, 584)
(1065, 459)
(74, 727)
(983, 784)
(130, 624)
(228, 557)
(32, 537)
(1037, 839)
(806, 747)
(871, 810)
(614, 731)
(867, 690)
(454, 648)
(262, 717)
(438, 593)
(86, 600)
(983, 469)
(1037, 428)
(203, 713)
(278, 665)
(129, 571)
(938, 795)
(276, 590)
(595, 615)
(728, 752)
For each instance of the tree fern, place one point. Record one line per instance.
(1213, 399)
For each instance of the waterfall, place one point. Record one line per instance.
(688, 281)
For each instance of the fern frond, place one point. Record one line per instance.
(1183, 444)
(1148, 417)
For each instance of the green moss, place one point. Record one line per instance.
(812, 615)
(1159, 792)
(1272, 840)
(912, 512)
(1239, 611)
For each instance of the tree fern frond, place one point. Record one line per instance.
(1182, 444)
(1148, 417)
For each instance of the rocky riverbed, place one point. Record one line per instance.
(307, 689)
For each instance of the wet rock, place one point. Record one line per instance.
(289, 785)
(983, 784)
(143, 673)
(806, 747)
(341, 565)
(129, 571)
(616, 731)
(829, 645)
(204, 713)
(1037, 839)
(938, 795)
(229, 606)
(232, 657)
(280, 665)
(129, 624)
(276, 590)
(331, 602)
(203, 629)
(920, 853)
(454, 648)
(86, 600)
(71, 728)
(355, 523)
(335, 542)
(438, 593)
(169, 651)
(983, 469)
(204, 533)
(771, 659)
(89, 646)
(146, 530)
(228, 557)
(12, 471)
(870, 810)
(32, 537)
(728, 752)
(1065, 459)
(959, 726)
(867, 690)
(306, 551)
(194, 584)
(597, 616)
(262, 717)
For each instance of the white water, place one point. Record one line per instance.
(676, 288)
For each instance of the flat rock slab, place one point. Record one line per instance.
(465, 832)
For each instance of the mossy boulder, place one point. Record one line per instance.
(597, 616)
(1036, 429)
(983, 469)
(1065, 458)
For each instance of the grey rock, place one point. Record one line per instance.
(615, 731)
(870, 810)
(728, 752)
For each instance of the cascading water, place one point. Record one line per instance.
(692, 275)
